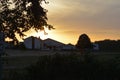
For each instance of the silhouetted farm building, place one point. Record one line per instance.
(48, 44)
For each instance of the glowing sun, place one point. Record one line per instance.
(41, 34)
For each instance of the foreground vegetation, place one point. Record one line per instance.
(70, 67)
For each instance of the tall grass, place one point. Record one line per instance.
(71, 67)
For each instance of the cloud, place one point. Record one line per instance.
(94, 17)
(94, 13)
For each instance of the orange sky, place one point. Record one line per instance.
(99, 19)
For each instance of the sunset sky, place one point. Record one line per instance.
(100, 19)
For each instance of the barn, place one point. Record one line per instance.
(33, 43)
(47, 44)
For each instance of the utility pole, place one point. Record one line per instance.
(2, 50)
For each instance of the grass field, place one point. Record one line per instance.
(19, 59)
(22, 58)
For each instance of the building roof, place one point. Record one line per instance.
(32, 37)
(52, 42)
(48, 41)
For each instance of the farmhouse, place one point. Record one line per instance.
(48, 44)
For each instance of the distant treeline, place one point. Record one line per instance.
(108, 45)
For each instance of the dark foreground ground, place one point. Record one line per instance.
(60, 65)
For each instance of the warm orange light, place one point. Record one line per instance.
(40, 34)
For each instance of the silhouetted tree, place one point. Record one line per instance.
(109, 45)
(18, 16)
(84, 43)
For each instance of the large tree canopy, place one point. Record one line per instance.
(18, 16)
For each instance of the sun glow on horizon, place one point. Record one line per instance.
(41, 34)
